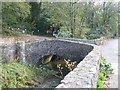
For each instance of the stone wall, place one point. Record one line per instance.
(32, 52)
(93, 41)
(7, 53)
(85, 75)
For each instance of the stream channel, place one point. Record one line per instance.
(58, 64)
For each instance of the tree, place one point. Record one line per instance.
(39, 17)
(88, 20)
(14, 14)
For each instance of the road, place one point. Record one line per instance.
(25, 37)
(110, 52)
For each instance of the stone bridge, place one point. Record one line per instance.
(88, 55)
(66, 49)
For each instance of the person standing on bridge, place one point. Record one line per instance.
(54, 33)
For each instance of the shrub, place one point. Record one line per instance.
(104, 71)
(81, 33)
(46, 71)
(68, 64)
(7, 32)
(63, 34)
(105, 67)
(98, 43)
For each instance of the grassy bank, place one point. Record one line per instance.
(16, 75)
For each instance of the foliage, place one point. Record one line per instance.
(98, 42)
(63, 34)
(100, 83)
(81, 33)
(46, 71)
(15, 75)
(60, 69)
(7, 32)
(85, 20)
(14, 14)
(105, 67)
(101, 76)
(104, 71)
(38, 17)
(68, 64)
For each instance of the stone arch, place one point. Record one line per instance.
(67, 49)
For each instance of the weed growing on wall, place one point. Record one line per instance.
(104, 71)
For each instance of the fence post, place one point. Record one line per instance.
(21, 51)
